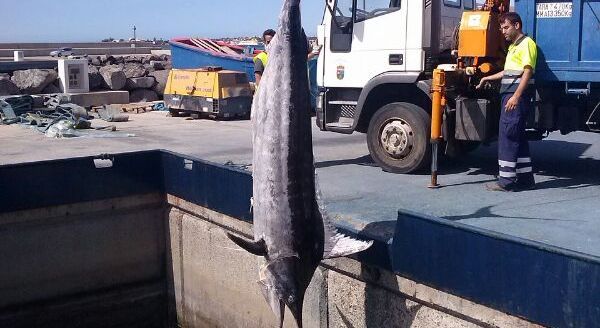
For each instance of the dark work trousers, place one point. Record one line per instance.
(516, 169)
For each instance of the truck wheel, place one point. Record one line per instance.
(398, 137)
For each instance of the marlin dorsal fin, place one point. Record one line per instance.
(258, 248)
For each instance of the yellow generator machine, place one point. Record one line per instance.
(209, 91)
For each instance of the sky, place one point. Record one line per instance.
(90, 21)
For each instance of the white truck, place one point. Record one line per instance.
(374, 72)
(380, 57)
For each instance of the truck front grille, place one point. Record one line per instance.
(348, 111)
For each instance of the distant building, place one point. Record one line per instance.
(251, 42)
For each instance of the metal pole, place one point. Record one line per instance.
(438, 102)
(434, 159)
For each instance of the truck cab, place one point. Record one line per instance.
(374, 72)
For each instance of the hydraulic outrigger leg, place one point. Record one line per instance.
(438, 103)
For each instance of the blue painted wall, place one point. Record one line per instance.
(544, 284)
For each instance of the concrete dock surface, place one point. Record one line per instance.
(563, 211)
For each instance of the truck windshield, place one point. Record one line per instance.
(366, 9)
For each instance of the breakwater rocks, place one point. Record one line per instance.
(144, 76)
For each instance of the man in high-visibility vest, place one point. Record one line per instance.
(261, 60)
(517, 91)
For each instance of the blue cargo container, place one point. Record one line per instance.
(568, 68)
(568, 36)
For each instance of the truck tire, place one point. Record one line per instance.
(398, 138)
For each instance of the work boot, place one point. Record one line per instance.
(525, 183)
(495, 186)
(525, 187)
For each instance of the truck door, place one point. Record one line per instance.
(366, 38)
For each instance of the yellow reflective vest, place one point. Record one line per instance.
(520, 54)
(263, 57)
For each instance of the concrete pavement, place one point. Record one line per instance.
(563, 211)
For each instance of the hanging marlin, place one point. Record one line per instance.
(290, 231)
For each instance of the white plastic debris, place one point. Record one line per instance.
(61, 129)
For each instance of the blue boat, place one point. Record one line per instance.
(189, 53)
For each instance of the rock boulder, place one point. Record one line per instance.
(107, 60)
(51, 88)
(149, 69)
(146, 82)
(113, 76)
(142, 95)
(119, 60)
(8, 88)
(132, 70)
(96, 81)
(96, 61)
(158, 65)
(133, 59)
(33, 81)
(161, 78)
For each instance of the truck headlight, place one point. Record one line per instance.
(320, 100)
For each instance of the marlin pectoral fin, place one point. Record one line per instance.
(343, 245)
(337, 244)
(258, 248)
